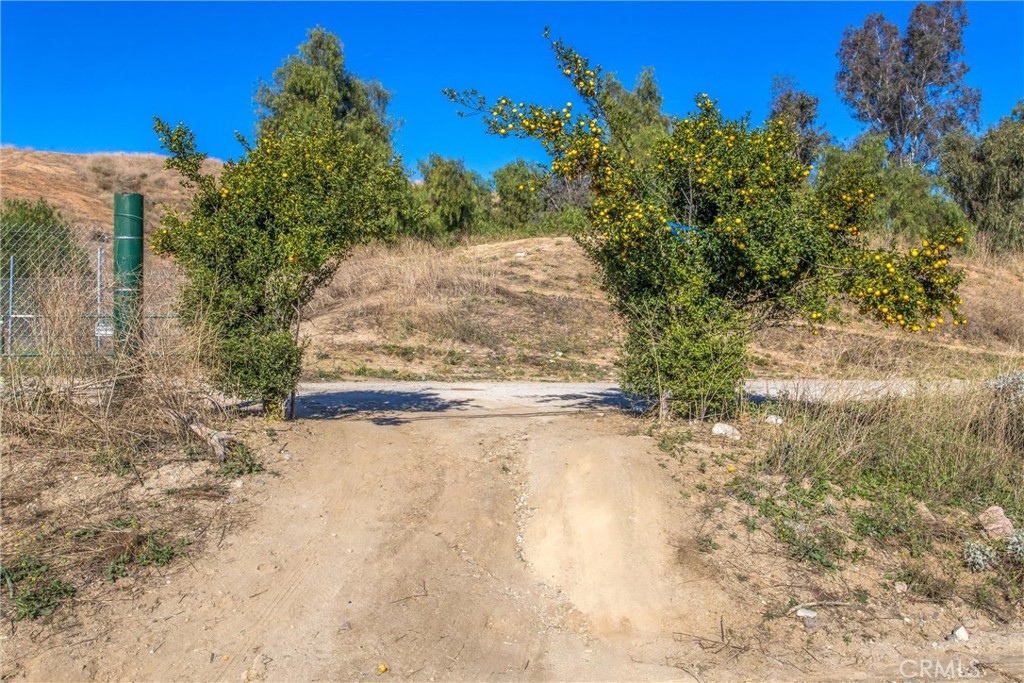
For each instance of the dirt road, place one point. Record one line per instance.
(464, 532)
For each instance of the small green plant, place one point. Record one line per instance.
(149, 550)
(118, 568)
(114, 461)
(45, 593)
(978, 557)
(984, 597)
(240, 461)
(925, 583)
(155, 551)
(674, 439)
(42, 601)
(707, 544)
(1015, 546)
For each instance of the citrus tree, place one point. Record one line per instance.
(263, 236)
(715, 230)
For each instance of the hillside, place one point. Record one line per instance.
(528, 308)
(82, 186)
(533, 309)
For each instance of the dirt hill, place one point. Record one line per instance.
(82, 186)
(528, 308)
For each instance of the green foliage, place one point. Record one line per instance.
(265, 235)
(909, 88)
(115, 461)
(34, 591)
(634, 117)
(458, 200)
(39, 239)
(519, 186)
(758, 243)
(316, 81)
(986, 176)
(979, 557)
(240, 461)
(800, 110)
(149, 550)
(913, 203)
(689, 352)
(42, 601)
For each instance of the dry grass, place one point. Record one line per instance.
(82, 186)
(529, 308)
(533, 308)
(99, 477)
(481, 311)
(900, 479)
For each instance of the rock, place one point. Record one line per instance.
(726, 430)
(923, 512)
(258, 670)
(805, 613)
(773, 420)
(521, 254)
(811, 625)
(959, 634)
(997, 525)
(900, 587)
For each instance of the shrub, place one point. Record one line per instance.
(717, 223)
(1015, 546)
(978, 557)
(912, 202)
(986, 175)
(262, 238)
(458, 201)
(519, 186)
(39, 239)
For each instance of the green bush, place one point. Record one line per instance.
(457, 200)
(912, 203)
(986, 175)
(712, 230)
(519, 186)
(262, 238)
(39, 239)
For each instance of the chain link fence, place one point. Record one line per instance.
(56, 291)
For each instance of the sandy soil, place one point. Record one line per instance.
(465, 534)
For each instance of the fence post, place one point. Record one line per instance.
(9, 338)
(128, 272)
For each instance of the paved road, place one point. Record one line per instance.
(324, 399)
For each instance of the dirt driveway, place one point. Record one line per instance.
(467, 532)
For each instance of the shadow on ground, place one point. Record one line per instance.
(386, 407)
(590, 400)
(337, 404)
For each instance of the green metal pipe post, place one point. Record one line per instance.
(128, 272)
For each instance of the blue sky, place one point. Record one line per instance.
(89, 77)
